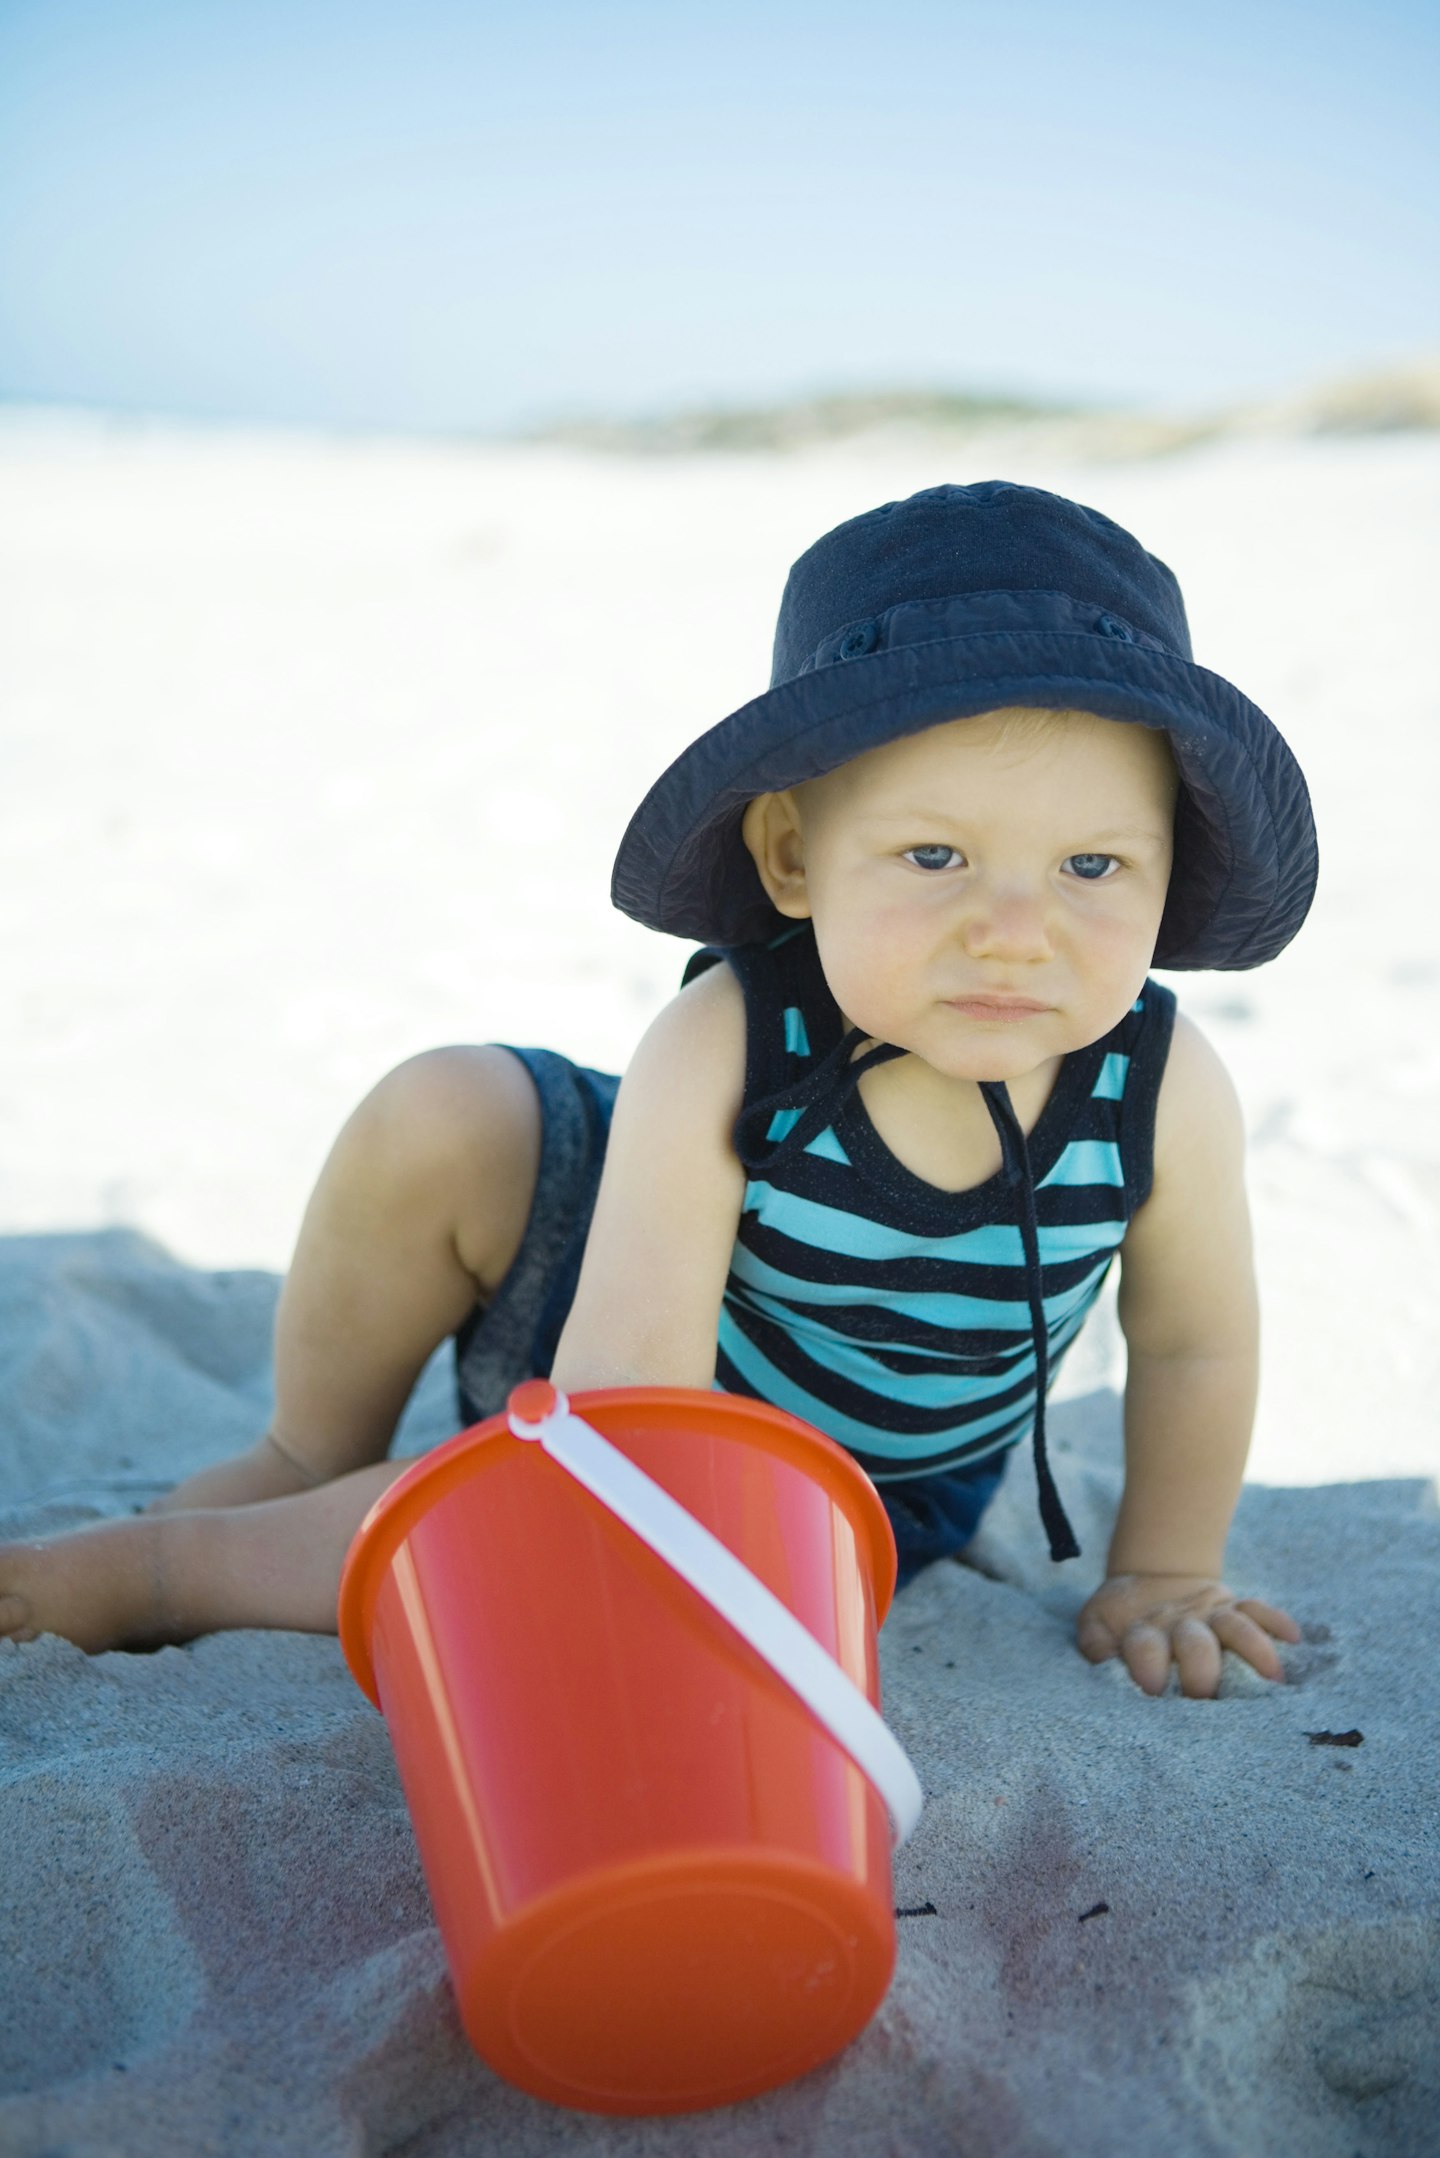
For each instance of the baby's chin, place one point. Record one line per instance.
(989, 1070)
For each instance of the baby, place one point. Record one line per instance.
(874, 1161)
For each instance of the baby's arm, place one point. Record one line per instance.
(648, 1301)
(1189, 1311)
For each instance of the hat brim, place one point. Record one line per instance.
(1245, 851)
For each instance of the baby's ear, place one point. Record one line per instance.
(771, 832)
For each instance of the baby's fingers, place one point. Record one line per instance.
(1096, 1641)
(1197, 1658)
(1236, 1628)
(1273, 1620)
(1146, 1650)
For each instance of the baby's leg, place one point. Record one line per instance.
(417, 1216)
(156, 1578)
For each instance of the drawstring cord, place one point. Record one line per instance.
(819, 1096)
(1016, 1157)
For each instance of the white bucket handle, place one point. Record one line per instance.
(715, 1573)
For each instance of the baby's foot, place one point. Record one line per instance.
(100, 1587)
(263, 1472)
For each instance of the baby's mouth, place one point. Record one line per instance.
(996, 1007)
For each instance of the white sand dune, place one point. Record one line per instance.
(317, 754)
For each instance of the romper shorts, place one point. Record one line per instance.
(515, 1336)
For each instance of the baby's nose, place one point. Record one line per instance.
(1009, 924)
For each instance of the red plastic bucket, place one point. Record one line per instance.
(660, 1883)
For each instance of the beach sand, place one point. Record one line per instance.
(317, 755)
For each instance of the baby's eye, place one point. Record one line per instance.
(935, 857)
(1092, 867)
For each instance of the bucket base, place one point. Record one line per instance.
(679, 1983)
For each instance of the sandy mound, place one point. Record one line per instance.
(1186, 1916)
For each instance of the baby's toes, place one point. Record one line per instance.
(17, 1620)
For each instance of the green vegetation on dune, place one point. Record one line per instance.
(1404, 397)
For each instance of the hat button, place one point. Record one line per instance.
(858, 641)
(1110, 625)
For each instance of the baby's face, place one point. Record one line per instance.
(986, 893)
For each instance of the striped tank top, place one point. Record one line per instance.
(904, 1320)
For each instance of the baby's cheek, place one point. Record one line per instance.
(867, 970)
(1115, 962)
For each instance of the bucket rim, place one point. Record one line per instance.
(433, 1475)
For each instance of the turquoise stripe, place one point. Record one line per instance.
(1087, 1161)
(783, 1121)
(1110, 1086)
(836, 1229)
(828, 1345)
(1064, 1240)
(773, 1386)
(797, 1041)
(857, 1366)
(939, 1308)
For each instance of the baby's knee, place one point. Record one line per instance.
(441, 1119)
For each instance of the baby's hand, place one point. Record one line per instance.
(1151, 1620)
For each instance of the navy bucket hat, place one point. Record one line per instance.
(951, 603)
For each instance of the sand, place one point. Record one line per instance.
(317, 755)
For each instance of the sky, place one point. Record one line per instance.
(459, 216)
